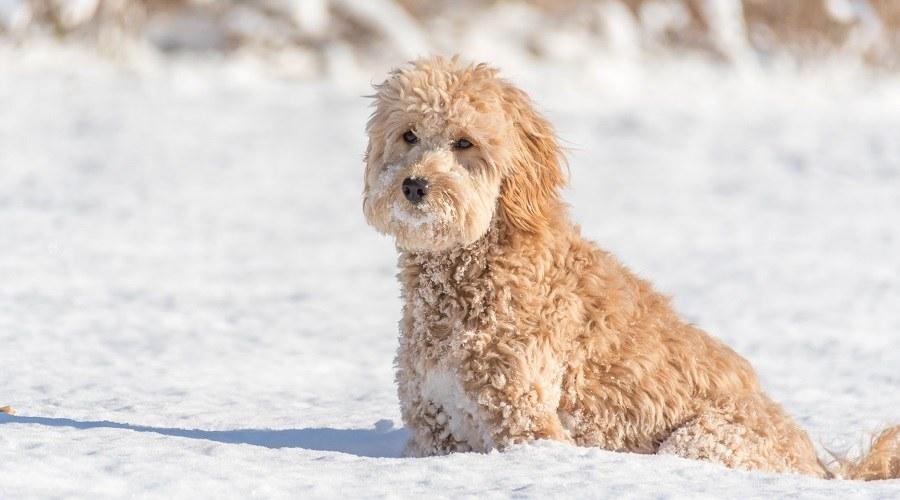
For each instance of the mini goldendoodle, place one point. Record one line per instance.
(516, 328)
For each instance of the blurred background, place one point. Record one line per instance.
(315, 38)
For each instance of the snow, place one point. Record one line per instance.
(14, 14)
(191, 303)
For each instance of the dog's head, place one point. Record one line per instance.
(451, 148)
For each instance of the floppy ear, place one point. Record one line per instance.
(529, 196)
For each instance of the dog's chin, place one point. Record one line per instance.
(435, 235)
(430, 227)
(434, 240)
(418, 245)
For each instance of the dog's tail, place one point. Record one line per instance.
(881, 462)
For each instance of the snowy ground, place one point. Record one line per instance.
(191, 302)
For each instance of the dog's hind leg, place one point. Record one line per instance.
(752, 434)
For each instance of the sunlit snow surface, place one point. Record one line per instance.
(192, 304)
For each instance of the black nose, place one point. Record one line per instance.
(415, 189)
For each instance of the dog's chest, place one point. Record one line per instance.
(450, 300)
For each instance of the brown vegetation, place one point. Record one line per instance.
(802, 29)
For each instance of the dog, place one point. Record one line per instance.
(515, 328)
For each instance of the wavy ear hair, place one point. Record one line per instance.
(529, 196)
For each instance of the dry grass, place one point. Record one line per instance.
(804, 29)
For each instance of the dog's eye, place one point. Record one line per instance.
(462, 144)
(410, 137)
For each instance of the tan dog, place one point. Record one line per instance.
(515, 328)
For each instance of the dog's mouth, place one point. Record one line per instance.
(408, 207)
(430, 209)
(413, 217)
(420, 227)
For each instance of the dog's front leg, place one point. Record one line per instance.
(429, 430)
(518, 388)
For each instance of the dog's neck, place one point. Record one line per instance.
(468, 262)
(458, 284)
(455, 284)
(459, 263)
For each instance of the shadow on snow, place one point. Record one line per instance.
(382, 441)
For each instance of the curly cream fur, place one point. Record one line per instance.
(514, 327)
